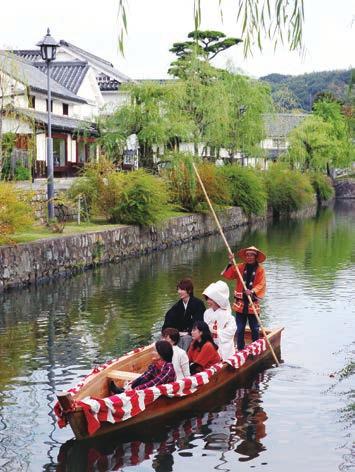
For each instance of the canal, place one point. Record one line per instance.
(295, 417)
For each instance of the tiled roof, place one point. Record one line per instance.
(68, 74)
(281, 124)
(108, 78)
(27, 74)
(106, 83)
(105, 66)
(63, 123)
(29, 54)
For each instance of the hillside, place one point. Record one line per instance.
(298, 91)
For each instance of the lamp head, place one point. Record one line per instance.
(48, 47)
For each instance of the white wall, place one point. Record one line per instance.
(89, 90)
(10, 125)
(269, 144)
(63, 55)
(71, 149)
(114, 99)
(41, 147)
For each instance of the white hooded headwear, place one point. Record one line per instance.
(219, 293)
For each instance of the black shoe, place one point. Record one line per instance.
(114, 389)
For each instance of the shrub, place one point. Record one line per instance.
(91, 184)
(15, 213)
(322, 186)
(142, 199)
(22, 173)
(184, 187)
(287, 190)
(247, 188)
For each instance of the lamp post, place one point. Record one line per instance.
(48, 53)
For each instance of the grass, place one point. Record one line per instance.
(43, 232)
(37, 233)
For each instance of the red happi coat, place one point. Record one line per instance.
(258, 287)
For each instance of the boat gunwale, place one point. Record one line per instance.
(77, 414)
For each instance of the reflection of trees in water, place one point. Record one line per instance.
(238, 425)
(318, 247)
(343, 386)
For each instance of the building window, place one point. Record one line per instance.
(31, 101)
(86, 151)
(91, 152)
(59, 152)
(279, 142)
(65, 109)
(81, 152)
(51, 105)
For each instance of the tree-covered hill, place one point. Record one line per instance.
(299, 91)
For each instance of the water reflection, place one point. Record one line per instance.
(237, 424)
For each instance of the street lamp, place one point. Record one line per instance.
(48, 52)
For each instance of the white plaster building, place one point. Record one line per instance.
(83, 85)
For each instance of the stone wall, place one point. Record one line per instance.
(39, 261)
(344, 188)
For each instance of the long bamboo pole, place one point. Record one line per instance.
(235, 264)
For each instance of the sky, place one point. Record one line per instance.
(153, 25)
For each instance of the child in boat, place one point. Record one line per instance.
(219, 318)
(161, 371)
(203, 350)
(180, 359)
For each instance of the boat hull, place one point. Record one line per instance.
(164, 407)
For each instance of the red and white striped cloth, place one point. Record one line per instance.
(121, 407)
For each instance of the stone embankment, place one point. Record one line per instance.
(43, 260)
(345, 188)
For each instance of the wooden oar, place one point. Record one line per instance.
(235, 263)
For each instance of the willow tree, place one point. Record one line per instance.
(311, 145)
(236, 124)
(155, 114)
(280, 21)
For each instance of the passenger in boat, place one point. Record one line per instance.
(185, 312)
(203, 352)
(180, 359)
(161, 371)
(253, 274)
(219, 318)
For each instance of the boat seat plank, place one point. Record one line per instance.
(122, 375)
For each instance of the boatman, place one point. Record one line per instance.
(253, 274)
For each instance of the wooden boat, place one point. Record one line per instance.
(132, 365)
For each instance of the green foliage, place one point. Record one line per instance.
(236, 121)
(204, 44)
(311, 145)
(331, 112)
(247, 188)
(285, 100)
(322, 140)
(141, 199)
(184, 188)
(91, 184)
(281, 21)
(22, 173)
(287, 190)
(306, 87)
(322, 186)
(8, 143)
(15, 212)
(154, 114)
(132, 198)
